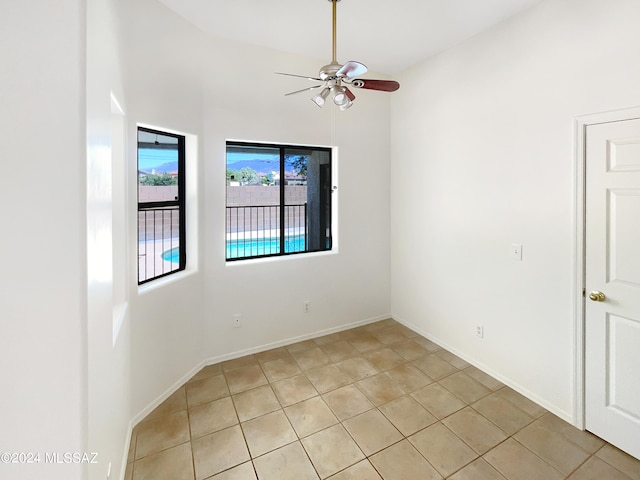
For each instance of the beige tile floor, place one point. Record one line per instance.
(371, 403)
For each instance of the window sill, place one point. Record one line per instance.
(281, 258)
(164, 281)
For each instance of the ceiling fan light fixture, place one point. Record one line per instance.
(321, 97)
(340, 96)
(346, 105)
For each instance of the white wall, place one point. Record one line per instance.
(43, 406)
(177, 78)
(349, 285)
(482, 157)
(161, 65)
(346, 286)
(108, 319)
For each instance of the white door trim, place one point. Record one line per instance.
(580, 127)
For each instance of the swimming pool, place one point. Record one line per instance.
(250, 247)
(264, 246)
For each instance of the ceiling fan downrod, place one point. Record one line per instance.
(334, 42)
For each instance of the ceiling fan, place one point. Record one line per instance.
(336, 78)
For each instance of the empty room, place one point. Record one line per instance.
(320, 239)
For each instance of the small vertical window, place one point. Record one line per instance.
(161, 204)
(278, 200)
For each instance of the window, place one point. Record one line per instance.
(161, 204)
(278, 200)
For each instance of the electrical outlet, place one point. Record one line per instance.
(237, 320)
(480, 331)
(307, 306)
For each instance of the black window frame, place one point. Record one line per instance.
(178, 204)
(325, 210)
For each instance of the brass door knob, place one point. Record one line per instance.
(597, 296)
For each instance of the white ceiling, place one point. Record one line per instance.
(386, 35)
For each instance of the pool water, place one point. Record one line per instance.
(264, 246)
(172, 255)
(250, 248)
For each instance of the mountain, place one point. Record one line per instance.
(163, 168)
(259, 166)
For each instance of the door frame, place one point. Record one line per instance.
(579, 261)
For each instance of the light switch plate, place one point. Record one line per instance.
(516, 251)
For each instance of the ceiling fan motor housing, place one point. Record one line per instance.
(328, 72)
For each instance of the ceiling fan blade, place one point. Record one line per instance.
(303, 90)
(299, 76)
(351, 69)
(349, 94)
(381, 85)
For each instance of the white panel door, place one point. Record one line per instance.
(612, 280)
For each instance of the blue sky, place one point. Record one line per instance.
(149, 158)
(233, 157)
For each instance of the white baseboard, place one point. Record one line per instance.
(566, 416)
(230, 356)
(291, 340)
(151, 407)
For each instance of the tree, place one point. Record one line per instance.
(267, 179)
(246, 176)
(249, 176)
(158, 179)
(299, 165)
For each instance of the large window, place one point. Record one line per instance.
(278, 200)
(161, 204)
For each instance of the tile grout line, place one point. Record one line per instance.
(193, 460)
(406, 392)
(244, 436)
